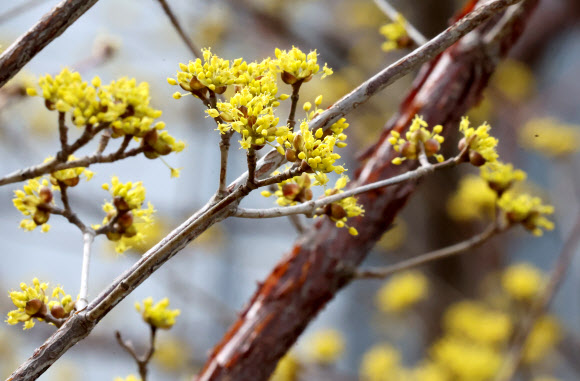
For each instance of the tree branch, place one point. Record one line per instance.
(49, 27)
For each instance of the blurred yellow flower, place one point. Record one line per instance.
(171, 354)
(287, 369)
(380, 363)
(325, 346)
(402, 291)
(475, 321)
(550, 137)
(473, 199)
(514, 79)
(522, 281)
(544, 336)
(157, 315)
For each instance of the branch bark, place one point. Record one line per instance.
(318, 265)
(49, 27)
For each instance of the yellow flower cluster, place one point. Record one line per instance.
(500, 176)
(527, 210)
(477, 322)
(130, 219)
(546, 333)
(315, 149)
(481, 147)
(474, 199)
(342, 210)
(33, 303)
(396, 34)
(325, 346)
(293, 191)
(251, 116)
(123, 105)
(402, 291)
(380, 363)
(157, 315)
(417, 138)
(550, 137)
(297, 66)
(34, 201)
(522, 281)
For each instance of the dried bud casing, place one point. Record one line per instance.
(477, 159)
(35, 306)
(57, 311)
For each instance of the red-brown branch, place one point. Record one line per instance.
(323, 260)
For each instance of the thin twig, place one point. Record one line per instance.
(294, 99)
(251, 158)
(49, 27)
(392, 13)
(63, 137)
(142, 361)
(458, 248)
(88, 238)
(188, 41)
(310, 207)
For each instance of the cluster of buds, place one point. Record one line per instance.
(293, 191)
(340, 211)
(157, 144)
(297, 67)
(477, 145)
(395, 34)
(526, 210)
(125, 212)
(33, 303)
(34, 201)
(157, 315)
(417, 140)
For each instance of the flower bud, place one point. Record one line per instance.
(126, 219)
(290, 190)
(290, 155)
(72, 182)
(288, 78)
(337, 212)
(432, 146)
(298, 142)
(114, 236)
(220, 89)
(195, 84)
(34, 306)
(40, 216)
(131, 231)
(121, 204)
(477, 159)
(57, 311)
(409, 150)
(45, 195)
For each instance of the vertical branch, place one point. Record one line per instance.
(63, 136)
(294, 98)
(192, 47)
(251, 165)
(88, 238)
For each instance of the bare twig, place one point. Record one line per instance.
(392, 13)
(294, 102)
(52, 25)
(142, 361)
(88, 238)
(251, 158)
(458, 248)
(188, 41)
(310, 207)
(63, 136)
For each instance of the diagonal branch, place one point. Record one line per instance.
(49, 27)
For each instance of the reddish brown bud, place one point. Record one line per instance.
(126, 219)
(131, 231)
(45, 195)
(432, 146)
(220, 89)
(337, 212)
(409, 150)
(288, 78)
(461, 145)
(290, 190)
(120, 204)
(291, 155)
(195, 84)
(114, 236)
(72, 182)
(298, 142)
(476, 158)
(57, 311)
(150, 137)
(34, 306)
(40, 216)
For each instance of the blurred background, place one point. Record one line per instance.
(374, 330)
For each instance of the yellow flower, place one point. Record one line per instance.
(380, 363)
(297, 66)
(500, 176)
(325, 346)
(522, 281)
(402, 291)
(481, 146)
(395, 33)
(514, 79)
(287, 369)
(34, 202)
(472, 200)
(475, 321)
(527, 210)
(342, 210)
(131, 219)
(128, 378)
(33, 303)
(70, 176)
(550, 137)
(158, 315)
(212, 72)
(171, 354)
(418, 137)
(545, 334)
(465, 360)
